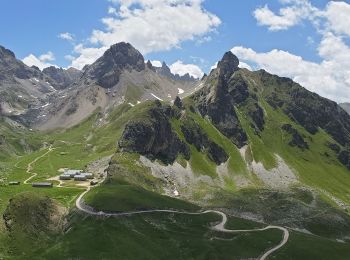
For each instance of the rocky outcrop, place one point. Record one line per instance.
(166, 72)
(218, 99)
(153, 136)
(194, 135)
(306, 108)
(344, 158)
(150, 66)
(10, 67)
(178, 102)
(63, 77)
(107, 70)
(297, 139)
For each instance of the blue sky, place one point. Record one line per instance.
(297, 30)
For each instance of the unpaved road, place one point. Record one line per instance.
(30, 165)
(219, 227)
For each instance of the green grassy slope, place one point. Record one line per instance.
(120, 196)
(158, 236)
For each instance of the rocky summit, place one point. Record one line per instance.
(107, 69)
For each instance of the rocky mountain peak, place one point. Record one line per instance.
(106, 70)
(125, 54)
(150, 66)
(228, 64)
(5, 53)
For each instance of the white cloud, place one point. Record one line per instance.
(69, 57)
(154, 25)
(41, 62)
(180, 68)
(66, 36)
(293, 14)
(86, 56)
(49, 56)
(156, 63)
(331, 76)
(338, 14)
(214, 66)
(244, 65)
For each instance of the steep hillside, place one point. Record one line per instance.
(15, 139)
(20, 85)
(242, 133)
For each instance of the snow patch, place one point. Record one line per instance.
(45, 105)
(36, 80)
(131, 104)
(156, 97)
(181, 91)
(138, 102)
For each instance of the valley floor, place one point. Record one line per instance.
(186, 233)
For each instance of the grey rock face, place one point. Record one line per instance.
(106, 70)
(62, 77)
(154, 137)
(218, 98)
(10, 67)
(297, 139)
(166, 72)
(194, 135)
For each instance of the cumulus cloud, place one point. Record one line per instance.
(41, 62)
(86, 56)
(331, 76)
(337, 14)
(180, 68)
(49, 56)
(293, 14)
(66, 36)
(156, 63)
(153, 25)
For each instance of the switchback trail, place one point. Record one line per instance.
(30, 165)
(219, 227)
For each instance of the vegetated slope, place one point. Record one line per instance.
(29, 218)
(119, 76)
(248, 129)
(242, 130)
(15, 139)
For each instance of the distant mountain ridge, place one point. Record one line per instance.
(63, 77)
(165, 71)
(119, 76)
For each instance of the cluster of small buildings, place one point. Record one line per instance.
(76, 175)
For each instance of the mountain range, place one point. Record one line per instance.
(256, 146)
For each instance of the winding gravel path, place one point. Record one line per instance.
(219, 227)
(30, 165)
